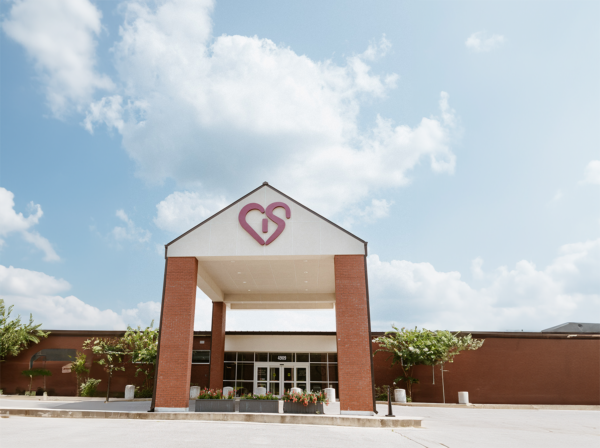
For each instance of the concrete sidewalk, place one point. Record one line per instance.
(546, 407)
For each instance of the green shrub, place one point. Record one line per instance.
(144, 393)
(89, 386)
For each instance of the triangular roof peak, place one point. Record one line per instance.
(266, 222)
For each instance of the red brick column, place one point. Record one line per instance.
(176, 334)
(217, 345)
(353, 338)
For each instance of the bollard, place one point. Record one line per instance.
(129, 392)
(194, 392)
(463, 398)
(261, 391)
(390, 403)
(400, 395)
(227, 391)
(296, 390)
(330, 394)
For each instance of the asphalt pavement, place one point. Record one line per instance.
(442, 427)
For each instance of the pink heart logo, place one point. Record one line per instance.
(265, 223)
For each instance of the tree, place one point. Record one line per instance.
(16, 336)
(142, 347)
(422, 347)
(79, 368)
(111, 352)
(35, 372)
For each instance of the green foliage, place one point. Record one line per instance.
(15, 336)
(422, 347)
(111, 353)
(267, 396)
(142, 347)
(143, 393)
(31, 373)
(215, 394)
(381, 393)
(79, 368)
(88, 387)
(306, 398)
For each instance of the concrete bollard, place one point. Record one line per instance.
(129, 392)
(45, 397)
(227, 391)
(194, 392)
(296, 390)
(261, 391)
(400, 395)
(330, 394)
(463, 398)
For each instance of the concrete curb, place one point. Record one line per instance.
(288, 419)
(550, 407)
(72, 399)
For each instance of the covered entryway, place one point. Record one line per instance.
(266, 251)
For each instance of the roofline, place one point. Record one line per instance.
(265, 184)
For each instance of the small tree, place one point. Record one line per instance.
(142, 347)
(35, 372)
(422, 347)
(79, 368)
(111, 352)
(16, 336)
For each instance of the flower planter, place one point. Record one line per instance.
(289, 407)
(268, 406)
(215, 405)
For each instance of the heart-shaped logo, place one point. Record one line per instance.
(265, 222)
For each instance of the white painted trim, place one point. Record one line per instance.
(368, 413)
(281, 343)
(172, 409)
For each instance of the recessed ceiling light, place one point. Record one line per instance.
(305, 261)
(306, 272)
(305, 281)
(244, 282)
(248, 290)
(306, 289)
(239, 272)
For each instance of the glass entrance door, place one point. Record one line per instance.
(278, 379)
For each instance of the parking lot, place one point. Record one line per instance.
(441, 427)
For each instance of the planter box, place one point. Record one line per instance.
(215, 405)
(290, 407)
(269, 406)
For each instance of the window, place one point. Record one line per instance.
(201, 357)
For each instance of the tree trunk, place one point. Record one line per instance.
(108, 388)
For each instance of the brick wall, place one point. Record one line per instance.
(217, 353)
(177, 332)
(510, 370)
(353, 338)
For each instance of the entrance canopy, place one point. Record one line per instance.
(267, 251)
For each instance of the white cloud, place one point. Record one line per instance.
(60, 37)
(39, 294)
(130, 232)
(482, 42)
(182, 210)
(11, 221)
(524, 297)
(208, 112)
(592, 173)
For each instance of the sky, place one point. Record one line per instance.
(461, 139)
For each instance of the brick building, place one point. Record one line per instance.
(267, 251)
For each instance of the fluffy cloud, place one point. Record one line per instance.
(520, 298)
(40, 294)
(60, 37)
(181, 211)
(592, 173)
(481, 42)
(11, 222)
(209, 111)
(130, 232)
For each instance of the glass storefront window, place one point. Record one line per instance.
(229, 371)
(281, 357)
(301, 357)
(261, 374)
(318, 357)
(317, 387)
(245, 372)
(262, 357)
(333, 372)
(230, 356)
(318, 372)
(201, 357)
(245, 357)
(332, 357)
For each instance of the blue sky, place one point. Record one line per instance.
(460, 139)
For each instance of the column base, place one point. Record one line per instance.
(172, 409)
(368, 413)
